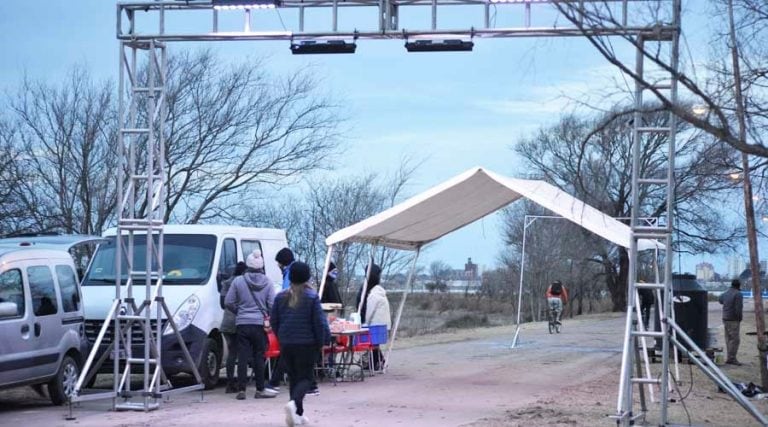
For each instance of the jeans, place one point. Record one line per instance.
(299, 362)
(732, 338)
(556, 304)
(251, 344)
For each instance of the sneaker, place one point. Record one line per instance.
(733, 362)
(274, 389)
(231, 388)
(314, 391)
(265, 394)
(240, 395)
(304, 420)
(291, 417)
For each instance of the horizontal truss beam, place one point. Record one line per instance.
(387, 27)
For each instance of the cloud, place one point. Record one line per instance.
(594, 84)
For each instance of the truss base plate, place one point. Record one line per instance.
(136, 406)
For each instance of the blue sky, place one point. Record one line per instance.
(454, 110)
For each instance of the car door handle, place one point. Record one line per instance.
(24, 329)
(37, 329)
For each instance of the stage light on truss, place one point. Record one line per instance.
(309, 47)
(452, 45)
(244, 4)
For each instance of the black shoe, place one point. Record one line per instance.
(314, 391)
(231, 388)
(240, 395)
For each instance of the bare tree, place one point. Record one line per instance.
(65, 143)
(590, 158)
(712, 96)
(234, 129)
(440, 273)
(12, 211)
(329, 205)
(733, 102)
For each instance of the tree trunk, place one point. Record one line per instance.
(617, 283)
(754, 260)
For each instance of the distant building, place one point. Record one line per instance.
(736, 265)
(705, 272)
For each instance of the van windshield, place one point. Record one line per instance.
(187, 260)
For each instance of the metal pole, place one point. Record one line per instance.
(400, 309)
(520, 287)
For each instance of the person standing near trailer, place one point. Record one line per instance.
(733, 305)
(285, 258)
(302, 329)
(250, 297)
(229, 329)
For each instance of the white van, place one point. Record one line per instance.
(41, 319)
(197, 259)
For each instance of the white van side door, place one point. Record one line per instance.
(18, 344)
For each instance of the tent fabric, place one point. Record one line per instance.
(471, 196)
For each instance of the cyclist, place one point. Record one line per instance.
(557, 296)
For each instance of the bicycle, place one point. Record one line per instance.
(554, 325)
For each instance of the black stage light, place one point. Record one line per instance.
(308, 47)
(439, 46)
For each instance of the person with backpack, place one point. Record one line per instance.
(557, 297)
(250, 297)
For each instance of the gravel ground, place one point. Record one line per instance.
(461, 378)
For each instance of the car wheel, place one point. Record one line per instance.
(62, 386)
(209, 366)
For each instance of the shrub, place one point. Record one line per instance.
(467, 321)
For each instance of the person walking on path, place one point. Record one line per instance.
(284, 259)
(229, 329)
(302, 329)
(557, 297)
(733, 305)
(250, 297)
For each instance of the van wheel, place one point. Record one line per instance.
(63, 384)
(210, 364)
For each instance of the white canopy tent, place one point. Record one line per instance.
(460, 201)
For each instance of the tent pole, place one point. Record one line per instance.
(365, 283)
(520, 288)
(326, 266)
(400, 309)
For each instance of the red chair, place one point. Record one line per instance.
(273, 351)
(364, 345)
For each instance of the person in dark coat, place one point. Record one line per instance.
(373, 280)
(229, 329)
(302, 329)
(331, 291)
(733, 306)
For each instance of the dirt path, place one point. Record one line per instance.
(464, 378)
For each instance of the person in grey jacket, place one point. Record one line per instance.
(229, 329)
(250, 297)
(733, 303)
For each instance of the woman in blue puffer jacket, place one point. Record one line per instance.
(302, 329)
